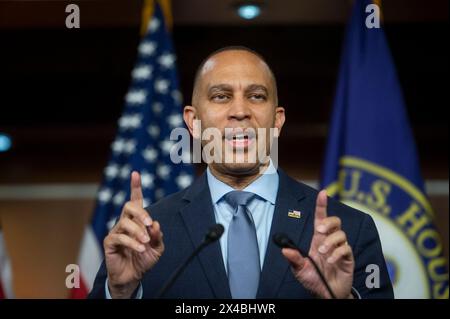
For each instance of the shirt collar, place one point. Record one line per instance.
(265, 186)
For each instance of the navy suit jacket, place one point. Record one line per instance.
(186, 216)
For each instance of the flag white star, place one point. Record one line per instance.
(177, 97)
(183, 180)
(157, 107)
(147, 48)
(123, 122)
(175, 120)
(162, 86)
(167, 60)
(142, 72)
(118, 145)
(130, 146)
(125, 171)
(154, 25)
(147, 179)
(110, 224)
(153, 130)
(136, 97)
(104, 195)
(159, 193)
(146, 202)
(150, 154)
(119, 198)
(130, 121)
(163, 171)
(166, 146)
(111, 171)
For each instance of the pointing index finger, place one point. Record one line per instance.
(136, 189)
(321, 206)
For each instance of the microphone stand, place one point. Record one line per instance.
(283, 241)
(214, 233)
(179, 270)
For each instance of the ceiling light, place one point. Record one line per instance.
(248, 11)
(5, 142)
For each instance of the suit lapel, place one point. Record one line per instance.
(290, 197)
(198, 217)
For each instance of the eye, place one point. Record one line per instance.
(258, 97)
(219, 97)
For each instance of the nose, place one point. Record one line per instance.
(239, 109)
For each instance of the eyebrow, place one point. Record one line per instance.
(229, 88)
(257, 87)
(220, 87)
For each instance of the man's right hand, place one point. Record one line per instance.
(131, 250)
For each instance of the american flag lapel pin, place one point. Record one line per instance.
(294, 213)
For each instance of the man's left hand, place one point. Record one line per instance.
(331, 252)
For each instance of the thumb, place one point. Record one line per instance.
(136, 189)
(294, 257)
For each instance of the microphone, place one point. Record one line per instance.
(283, 241)
(213, 234)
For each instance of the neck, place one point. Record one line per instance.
(238, 180)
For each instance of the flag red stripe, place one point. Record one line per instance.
(79, 293)
(2, 295)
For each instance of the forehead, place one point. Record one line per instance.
(235, 66)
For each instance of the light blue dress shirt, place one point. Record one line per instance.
(262, 208)
(139, 293)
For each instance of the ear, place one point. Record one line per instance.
(189, 115)
(280, 117)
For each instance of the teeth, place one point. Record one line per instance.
(240, 137)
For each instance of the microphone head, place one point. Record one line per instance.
(283, 241)
(214, 233)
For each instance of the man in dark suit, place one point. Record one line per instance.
(235, 88)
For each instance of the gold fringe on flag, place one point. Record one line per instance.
(147, 13)
(378, 3)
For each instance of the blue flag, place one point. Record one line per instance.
(371, 160)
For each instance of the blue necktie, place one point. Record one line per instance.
(243, 252)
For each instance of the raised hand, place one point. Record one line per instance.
(331, 252)
(133, 246)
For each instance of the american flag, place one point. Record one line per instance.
(153, 107)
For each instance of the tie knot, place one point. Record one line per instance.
(236, 198)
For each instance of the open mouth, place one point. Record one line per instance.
(240, 139)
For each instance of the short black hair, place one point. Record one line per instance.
(232, 48)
